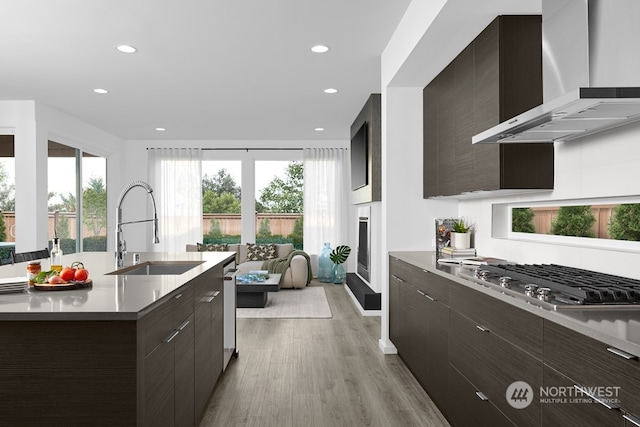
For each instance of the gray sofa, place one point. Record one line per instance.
(295, 276)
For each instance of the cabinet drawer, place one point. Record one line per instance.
(430, 284)
(492, 364)
(519, 327)
(468, 409)
(207, 283)
(589, 363)
(163, 319)
(567, 412)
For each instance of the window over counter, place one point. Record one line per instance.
(606, 223)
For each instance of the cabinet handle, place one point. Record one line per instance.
(183, 325)
(482, 328)
(178, 296)
(421, 293)
(595, 397)
(216, 293)
(482, 396)
(171, 336)
(621, 353)
(397, 278)
(632, 419)
(429, 297)
(211, 298)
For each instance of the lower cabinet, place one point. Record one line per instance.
(492, 364)
(473, 354)
(168, 379)
(168, 343)
(469, 406)
(184, 353)
(574, 410)
(209, 331)
(419, 324)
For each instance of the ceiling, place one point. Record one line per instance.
(204, 69)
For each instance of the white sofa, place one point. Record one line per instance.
(295, 276)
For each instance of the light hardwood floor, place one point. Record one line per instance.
(318, 372)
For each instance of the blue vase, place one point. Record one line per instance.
(339, 274)
(325, 265)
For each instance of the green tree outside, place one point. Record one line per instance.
(285, 195)
(522, 220)
(94, 206)
(625, 222)
(573, 221)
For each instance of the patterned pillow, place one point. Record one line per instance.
(260, 252)
(210, 247)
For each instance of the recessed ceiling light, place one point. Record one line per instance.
(125, 48)
(160, 129)
(101, 91)
(331, 90)
(319, 129)
(320, 48)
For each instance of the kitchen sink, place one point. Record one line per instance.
(158, 268)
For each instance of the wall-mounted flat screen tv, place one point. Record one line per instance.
(359, 158)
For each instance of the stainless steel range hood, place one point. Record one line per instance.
(591, 73)
(579, 113)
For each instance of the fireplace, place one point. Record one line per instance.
(364, 249)
(358, 282)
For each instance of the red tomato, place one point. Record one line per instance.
(81, 275)
(67, 274)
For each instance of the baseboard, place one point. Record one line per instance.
(387, 347)
(362, 311)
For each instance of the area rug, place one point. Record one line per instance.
(310, 302)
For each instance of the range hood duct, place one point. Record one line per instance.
(591, 74)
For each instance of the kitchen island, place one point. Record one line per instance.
(508, 361)
(130, 350)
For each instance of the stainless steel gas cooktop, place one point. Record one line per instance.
(559, 287)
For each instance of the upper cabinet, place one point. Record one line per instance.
(496, 77)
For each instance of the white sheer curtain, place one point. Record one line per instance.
(326, 198)
(175, 174)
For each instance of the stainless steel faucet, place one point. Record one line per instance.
(121, 244)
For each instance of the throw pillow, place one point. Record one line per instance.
(256, 252)
(210, 247)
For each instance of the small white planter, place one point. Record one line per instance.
(460, 240)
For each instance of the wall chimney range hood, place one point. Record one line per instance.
(591, 73)
(579, 113)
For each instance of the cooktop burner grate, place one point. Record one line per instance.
(574, 284)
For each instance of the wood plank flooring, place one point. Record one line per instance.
(318, 372)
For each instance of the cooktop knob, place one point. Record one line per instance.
(530, 290)
(543, 294)
(505, 282)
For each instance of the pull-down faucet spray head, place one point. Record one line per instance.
(121, 245)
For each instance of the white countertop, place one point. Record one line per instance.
(112, 297)
(617, 328)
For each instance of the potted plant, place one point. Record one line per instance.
(339, 255)
(461, 234)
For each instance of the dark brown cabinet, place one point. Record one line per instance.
(498, 76)
(209, 345)
(419, 326)
(168, 363)
(569, 411)
(491, 364)
(590, 363)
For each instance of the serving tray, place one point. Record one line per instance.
(63, 286)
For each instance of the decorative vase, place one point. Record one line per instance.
(339, 274)
(460, 240)
(325, 265)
